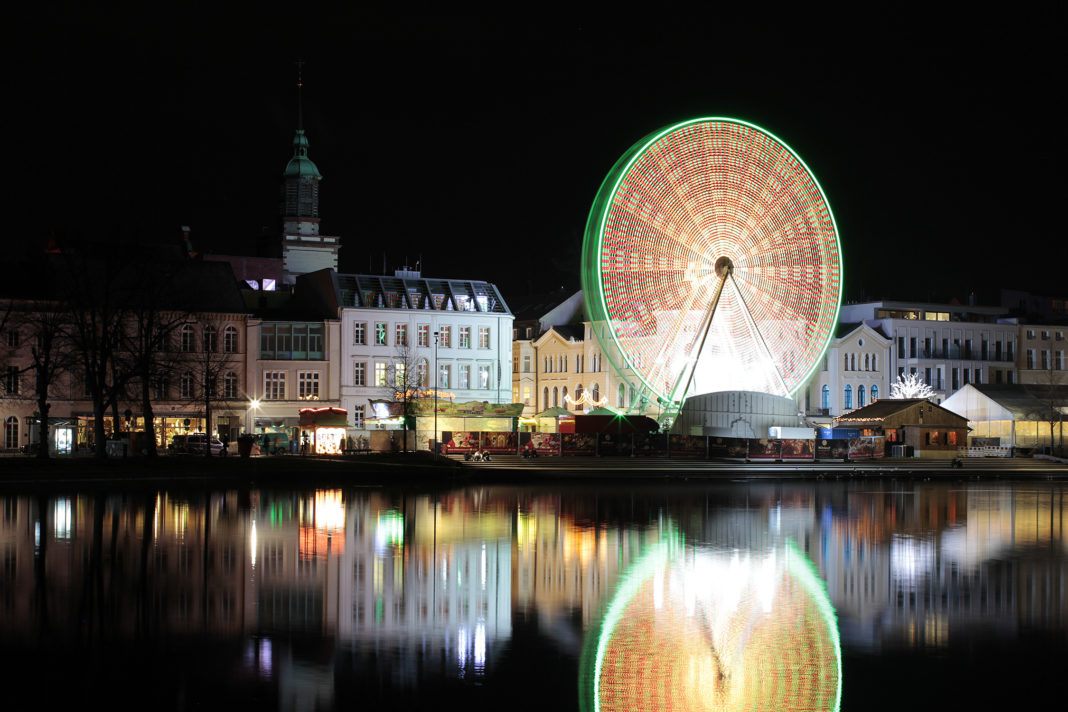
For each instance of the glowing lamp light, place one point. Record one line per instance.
(677, 203)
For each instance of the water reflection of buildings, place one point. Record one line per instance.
(432, 584)
(427, 579)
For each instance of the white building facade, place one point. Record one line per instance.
(455, 335)
(948, 345)
(855, 372)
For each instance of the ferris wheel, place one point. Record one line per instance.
(711, 261)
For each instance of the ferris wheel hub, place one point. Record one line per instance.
(724, 266)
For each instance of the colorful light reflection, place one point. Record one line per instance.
(700, 629)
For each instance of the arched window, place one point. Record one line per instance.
(11, 433)
(853, 363)
(845, 364)
(874, 393)
(230, 340)
(622, 396)
(596, 392)
(556, 397)
(875, 363)
(860, 396)
(210, 345)
(188, 338)
(867, 362)
(825, 398)
(849, 397)
(545, 398)
(230, 385)
(563, 395)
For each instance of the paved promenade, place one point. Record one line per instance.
(423, 468)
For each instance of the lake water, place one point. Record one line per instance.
(855, 595)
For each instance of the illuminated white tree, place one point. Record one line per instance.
(910, 386)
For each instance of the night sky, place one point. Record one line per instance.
(476, 142)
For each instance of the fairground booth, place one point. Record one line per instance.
(323, 430)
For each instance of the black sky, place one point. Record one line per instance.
(477, 141)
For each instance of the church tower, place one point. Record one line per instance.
(303, 248)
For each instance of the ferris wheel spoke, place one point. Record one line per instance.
(760, 337)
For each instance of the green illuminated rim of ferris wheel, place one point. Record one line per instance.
(799, 183)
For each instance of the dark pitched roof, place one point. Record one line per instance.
(881, 409)
(385, 292)
(570, 332)
(534, 306)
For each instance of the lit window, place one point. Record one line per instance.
(380, 374)
(483, 337)
(446, 336)
(464, 375)
(484, 376)
(402, 335)
(465, 337)
(308, 385)
(444, 374)
(424, 335)
(380, 334)
(848, 397)
(274, 385)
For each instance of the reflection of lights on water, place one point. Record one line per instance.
(258, 656)
(910, 558)
(265, 657)
(471, 648)
(62, 518)
(389, 531)
(483, 566)
(329, 511)
(729, 631)
(252, 544)
(480, 648)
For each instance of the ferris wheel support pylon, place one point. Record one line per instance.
(724, 269)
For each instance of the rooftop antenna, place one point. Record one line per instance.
(300, 101)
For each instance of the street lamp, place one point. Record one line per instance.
(436, 383)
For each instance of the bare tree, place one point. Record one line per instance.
(43, 324)
(93, 297)
(407, 379)
(1050, 391)
(209, 369)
